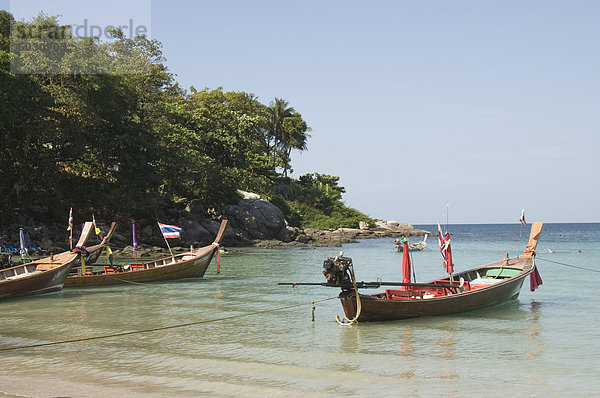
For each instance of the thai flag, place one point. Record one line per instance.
(170, 231)
(522, 218)
(441, 240)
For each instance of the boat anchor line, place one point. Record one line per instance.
(126, 281)
(182, 325)
(567, 265)
(345, 321)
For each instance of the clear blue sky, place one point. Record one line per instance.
(491, 106)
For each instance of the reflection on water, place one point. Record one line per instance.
(533, 332)
(447, 343)
(350, 339)
(536, 346)
(406, 344)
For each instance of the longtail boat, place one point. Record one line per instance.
(474, 289)
(418, 246)
(92, 253)
(191, 264)
(43, 275)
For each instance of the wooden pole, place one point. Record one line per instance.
(167, 242)
(170, 251)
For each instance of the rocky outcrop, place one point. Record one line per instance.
(256, 219)
(336, 237)
(253, 221)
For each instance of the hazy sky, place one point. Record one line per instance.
(491, 106)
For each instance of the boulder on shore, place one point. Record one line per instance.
(257, 219)
(253, 221)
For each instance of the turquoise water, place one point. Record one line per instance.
(543, 344)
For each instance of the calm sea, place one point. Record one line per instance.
(546, 343)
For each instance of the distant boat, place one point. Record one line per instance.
(41, 276)
(413, 246)
(192, 264)
(474, 289)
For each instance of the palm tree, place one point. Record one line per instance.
(295, 135)
(276, 113)
(285, 131)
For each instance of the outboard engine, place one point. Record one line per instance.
(337, 270)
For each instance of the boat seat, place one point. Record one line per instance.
(109, 269)
(501, 272)
(23, 275)
(398, 294)
(46, 266)
(137, 266)
(483, 282)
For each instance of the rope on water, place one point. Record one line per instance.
(567, 265)
(126, 281)
(106, 336)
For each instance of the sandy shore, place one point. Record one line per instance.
(15, 385)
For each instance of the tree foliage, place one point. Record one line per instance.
(285, 130)
(103, 126)
(315, 201)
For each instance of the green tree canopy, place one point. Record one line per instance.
(103, 126)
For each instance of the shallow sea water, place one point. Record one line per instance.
(546, 343)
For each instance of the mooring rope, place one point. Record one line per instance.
(126, 281)
(345, 321)
(106, 336)
(567, 265)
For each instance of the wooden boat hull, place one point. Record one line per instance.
(29, 279)
(415, 247)
(165, 269)
(92, 257)
(43, 275)
(185, 265)
(377, 307)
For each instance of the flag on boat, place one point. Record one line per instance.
(535, 279)
(445, 251)
(406, 266)
(170, 231)
(22, 247)
(109, 255)
(441, 240)
(70, 226)
(448, 255)
(96, 229)
(134, 237)
(522, 218)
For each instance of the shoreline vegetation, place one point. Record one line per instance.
(103, 127)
